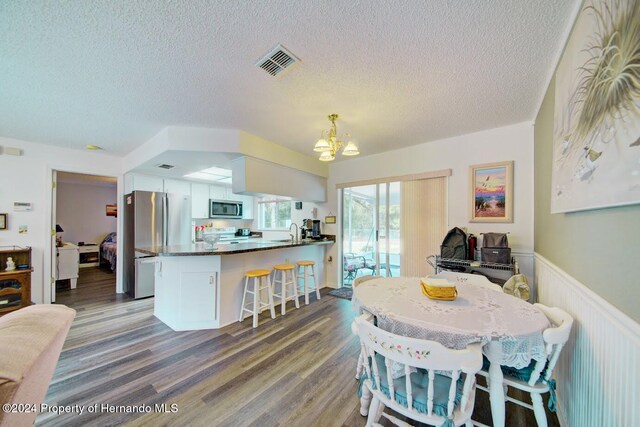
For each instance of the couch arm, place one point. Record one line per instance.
(31, 340)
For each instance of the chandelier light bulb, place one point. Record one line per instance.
(350, 150)
(322, 145)
(330, 144)
(326, 156)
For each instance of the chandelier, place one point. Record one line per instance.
(329, 144)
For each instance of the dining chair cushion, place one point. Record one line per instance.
(522, 374)
(419, 385)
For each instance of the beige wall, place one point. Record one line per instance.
(599, 248)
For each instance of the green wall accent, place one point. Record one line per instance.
(601, 247)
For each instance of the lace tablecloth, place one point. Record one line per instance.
(477, 315)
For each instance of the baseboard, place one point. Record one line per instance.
(598, 371)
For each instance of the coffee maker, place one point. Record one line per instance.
(315, 229)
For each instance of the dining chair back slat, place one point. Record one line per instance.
(408, 386)
(389, 369)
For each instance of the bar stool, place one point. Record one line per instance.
(303, 275)
(283, 269)
(258, 287)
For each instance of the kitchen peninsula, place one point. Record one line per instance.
(200, 288)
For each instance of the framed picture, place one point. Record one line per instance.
(112, 210)
(491, 187)
(331, 219)
(596, 115)
(3, 221)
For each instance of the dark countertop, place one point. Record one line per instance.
(195, 249)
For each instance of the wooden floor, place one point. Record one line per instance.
(296, 370)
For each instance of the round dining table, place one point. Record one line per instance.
(509, 328)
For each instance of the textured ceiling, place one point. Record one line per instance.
(399, 73)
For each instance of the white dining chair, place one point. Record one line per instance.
(361, 357)
(437, 385)
(472, 279)
(535, 379)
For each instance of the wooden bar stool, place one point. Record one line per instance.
(303, 275)
(283, 269)
(258, 287)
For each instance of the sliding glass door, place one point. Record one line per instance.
(370, 231)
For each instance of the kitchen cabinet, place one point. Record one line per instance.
(136, 182)
(15, 285)
(199, 200)
(218, 192)
(67, 263)
(177, 187)
(200, 193)
(187, 292)
(247, 205)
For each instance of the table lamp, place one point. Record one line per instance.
(58, 238)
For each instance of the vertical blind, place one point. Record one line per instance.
(422, 223)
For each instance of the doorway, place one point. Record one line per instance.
(370, 231)
(84, 218)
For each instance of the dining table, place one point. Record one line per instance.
(509, 328)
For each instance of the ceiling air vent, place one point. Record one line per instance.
(276, 61)
(165, 166)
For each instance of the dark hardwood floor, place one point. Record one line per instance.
(296, 370)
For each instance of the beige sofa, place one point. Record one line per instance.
(30, 343)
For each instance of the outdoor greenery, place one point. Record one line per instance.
(359, 222)
(275, 214)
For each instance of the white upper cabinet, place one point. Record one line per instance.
(200, 193)
(199, 200)
(135, 182)
(218, 192)
(177, 187)
(247, 205)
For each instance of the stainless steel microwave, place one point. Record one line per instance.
(225, 209)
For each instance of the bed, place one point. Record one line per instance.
(108, 251)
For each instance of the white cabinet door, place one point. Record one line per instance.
(247, 206)
(177, 187)
(145, 183)
(199, 297)
(199, 200)
(217, 192)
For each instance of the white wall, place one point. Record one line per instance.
(28, 178)
(81, 211)
(514, 142)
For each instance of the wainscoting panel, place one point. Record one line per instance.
(598, 373)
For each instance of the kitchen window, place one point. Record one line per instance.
(275, 214)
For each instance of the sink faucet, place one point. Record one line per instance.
(294, 239)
